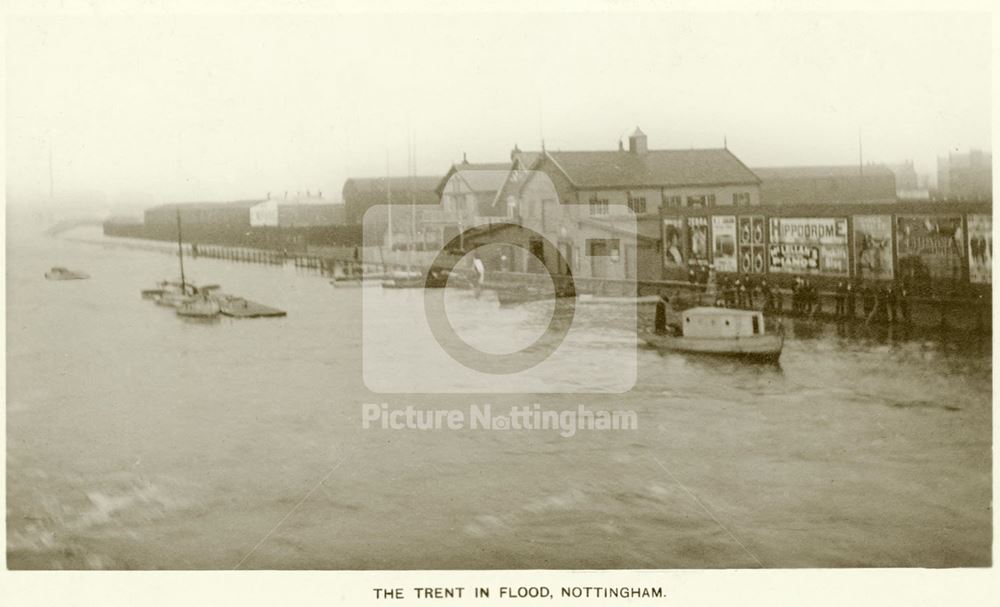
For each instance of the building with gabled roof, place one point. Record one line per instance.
(577, 199)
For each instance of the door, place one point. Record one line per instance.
(630, 260)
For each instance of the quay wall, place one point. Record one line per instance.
(292, 239)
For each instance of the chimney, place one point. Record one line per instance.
(637, 142)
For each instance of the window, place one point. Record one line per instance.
(697, 201)
(636, 204)
(673, 201)
(741, 199)
(603, 247)
(598, 206)
(511, 206)
(711, 200)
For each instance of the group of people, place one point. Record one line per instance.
(889, 303)
(743, 292)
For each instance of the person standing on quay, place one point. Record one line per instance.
(867, 300)
(904, 303)
(841, 298)
(890, 303)
(849, 294)
(797, 295)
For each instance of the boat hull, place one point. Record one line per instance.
(510, 297)
(599, 299)
(66, 275)
(758, 348)
(205, 308)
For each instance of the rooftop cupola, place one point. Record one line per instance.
(637, 142)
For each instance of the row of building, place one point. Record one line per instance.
(639, 213)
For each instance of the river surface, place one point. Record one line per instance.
(137, 440)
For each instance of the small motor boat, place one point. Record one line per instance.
(60, 273)
(721, 331)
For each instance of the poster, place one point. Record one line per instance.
(697, 233)
(873, 247)
(751, 244)
(724, 243)
(673, 243)
(929, 248)
(980, 229)
(809, 245)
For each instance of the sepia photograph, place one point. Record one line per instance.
(485, 288)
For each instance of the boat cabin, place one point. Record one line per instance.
(721, 323)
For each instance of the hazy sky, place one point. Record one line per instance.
(224, 107)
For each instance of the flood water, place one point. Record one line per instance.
(138, 440)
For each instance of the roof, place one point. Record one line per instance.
(821, 172)
(235, 204)
(478, 176)
(647, 230)
(374, 189)
(526, 159)
(655, 168)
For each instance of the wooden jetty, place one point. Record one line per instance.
(240, 307)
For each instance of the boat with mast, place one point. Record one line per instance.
(186, 297)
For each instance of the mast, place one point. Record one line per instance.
(51, 179)
(861, 169)
(413, 208)
(180, 252)
(388, 199)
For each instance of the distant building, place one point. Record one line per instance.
(826, 184)
(598, 211)
(360, 194)
(965, 177)
(214, 215)
(645, 180)
(469, 197)
(264, 214)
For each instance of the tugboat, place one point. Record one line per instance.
(718, 331)
(61, 273)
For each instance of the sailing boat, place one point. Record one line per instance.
(187, 298)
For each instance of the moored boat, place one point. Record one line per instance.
(435, 279)
(723, 332)
(601, 299)
(61, 273)
(519, 295)
(202, 306)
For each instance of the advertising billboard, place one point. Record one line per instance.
(673, 243)
(809, 245)
(724, 243)
(873, 247)
(980, 228)
(697, 239)
(751, 244)
(929, 248)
